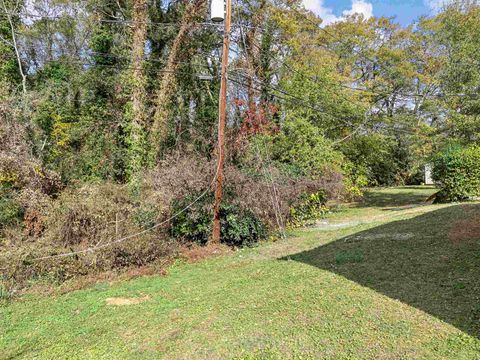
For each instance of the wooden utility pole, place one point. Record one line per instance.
(222, 116)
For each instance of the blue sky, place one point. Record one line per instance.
(404, 11)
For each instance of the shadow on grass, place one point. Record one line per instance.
(409, 196)
(414, 261)
(416, 187)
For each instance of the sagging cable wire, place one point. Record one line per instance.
(131, 236)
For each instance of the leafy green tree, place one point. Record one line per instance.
(304, 147)
(456, 30)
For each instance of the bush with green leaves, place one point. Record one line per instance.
(238, 227)
(372, 157)
(382, 160)
(457, 171)
(303, 146)
(312, 207)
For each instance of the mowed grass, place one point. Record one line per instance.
(394, 281)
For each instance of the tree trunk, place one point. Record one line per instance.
(137, 149)
(15, 46)
(250, 52)
(168, 83)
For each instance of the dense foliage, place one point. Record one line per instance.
(123, 95)
(309, 209)
(238, 227)
(457, 170)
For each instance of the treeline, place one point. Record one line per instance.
(109, 109)
(111, 86)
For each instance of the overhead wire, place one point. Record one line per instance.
(298, 99)
(280, 90)
(402, 95)
(119, 66)
(122, 21)
(304, 103)
(168, 24)
(275, 197)
(116, 241)
(291, 68)
(112, 21)
(364, 57)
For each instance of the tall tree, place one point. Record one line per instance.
(167, 84)
(9, 36)
(137, 131)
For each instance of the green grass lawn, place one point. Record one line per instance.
(393, 280)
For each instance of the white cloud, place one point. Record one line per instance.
(436, 5)
(319, 8)
(358, 6)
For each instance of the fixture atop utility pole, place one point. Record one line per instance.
(217, 11)
(218, 15)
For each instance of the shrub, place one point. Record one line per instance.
(23, 179)
(193, 224)
(457, 171)
(11, 211)
(381, 160)
(355, 180)
(270, 197)
(311, 207)
(80, 219)
(303, 146)
(250, 188)
(238, 227)
(83, 216)
(87, 214)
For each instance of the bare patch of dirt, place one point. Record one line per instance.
(121, 301)
(327, 225)
(194, 253)
(465, 230)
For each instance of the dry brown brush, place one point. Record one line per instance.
(107, 227)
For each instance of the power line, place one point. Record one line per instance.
(146, 60)
(120, 21)
(371, 92)
(372, 61)
(366, 91)
(287, 93)
(113, 21)
(119, 66)
(404, 96)
(282, 90)
(294, 97)
(159, 24)
(304, 103)
(308, 77)
(284, 63)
